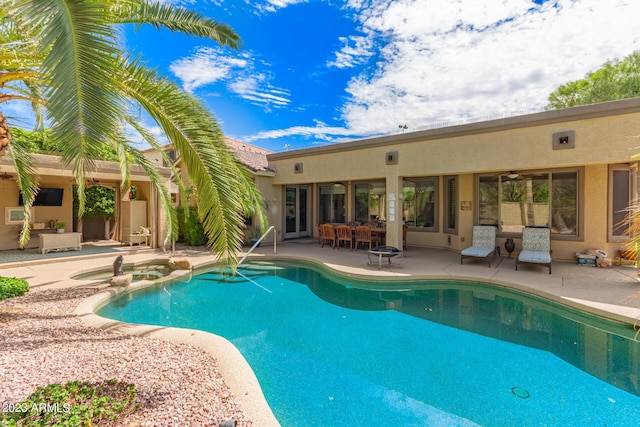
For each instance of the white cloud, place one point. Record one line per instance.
(430, 61)
(238, 71)
(256, 90)
(275, 5)
(446, 60)
(356, 50)
(205, 67)
(320, 132)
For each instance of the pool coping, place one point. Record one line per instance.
(232, 365)
(618, 313)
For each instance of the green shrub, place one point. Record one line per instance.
(191, 231)
(74, 404)
(12, 287)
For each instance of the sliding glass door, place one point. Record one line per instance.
(297, 212)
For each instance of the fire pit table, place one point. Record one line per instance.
(384, 252)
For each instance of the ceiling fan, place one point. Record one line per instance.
(516, 175)
(6, 177)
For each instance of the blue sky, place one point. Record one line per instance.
(318, 72)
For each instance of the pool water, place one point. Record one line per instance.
(334, 351)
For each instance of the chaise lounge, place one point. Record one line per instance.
(483, 245)
(536, 247)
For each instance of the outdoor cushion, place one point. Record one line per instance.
(535, 257)
(536, 247)
(483, 244)
(478, 251)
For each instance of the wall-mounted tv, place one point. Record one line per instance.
(46, 197)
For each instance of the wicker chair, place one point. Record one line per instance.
(344, 235)
(364, 235)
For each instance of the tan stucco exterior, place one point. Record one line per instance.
(604, 134)
(52, 173)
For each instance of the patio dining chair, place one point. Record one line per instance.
(536, 247)
(405, 228)
(364, 235)
(345, 235)
(483, 245)
(328, 235)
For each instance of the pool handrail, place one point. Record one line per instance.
(275, 235)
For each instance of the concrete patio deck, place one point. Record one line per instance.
(614, 292)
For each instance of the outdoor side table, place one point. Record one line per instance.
(384, 252)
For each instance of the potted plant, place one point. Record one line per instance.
(255, 235)
(59, 226)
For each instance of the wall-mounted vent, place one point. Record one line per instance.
(564, 140)
(391, 158)
(297, 168)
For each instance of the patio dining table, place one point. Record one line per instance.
(380, 232)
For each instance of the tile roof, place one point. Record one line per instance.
(254, 158)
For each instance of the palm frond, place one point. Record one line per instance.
(159, 184)
(81, 49)
(153, 142)
(176, 19)
(219, 178)
(27, 184)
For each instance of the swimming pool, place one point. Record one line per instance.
(334, 351)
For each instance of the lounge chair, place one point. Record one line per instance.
(483, 245)
(536, 247)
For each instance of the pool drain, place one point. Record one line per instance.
(520, 392)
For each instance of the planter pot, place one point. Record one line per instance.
(253, 242)
(60, 230)
(510, 246)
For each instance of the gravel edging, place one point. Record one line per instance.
(44, 342)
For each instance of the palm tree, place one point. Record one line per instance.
(89, 84)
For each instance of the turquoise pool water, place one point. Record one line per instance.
(331, 351)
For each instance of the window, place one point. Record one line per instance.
(530, 200)
(488, 196)
(451, 204)
(419, 208)
(524, 202)
(622, 189)
(564, 203)
(172, 156)
(332, 203)
(370, 203)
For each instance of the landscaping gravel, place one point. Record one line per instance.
(42, 342)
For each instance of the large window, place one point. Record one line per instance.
(451, 204)
(622, 193)
(370, 203)
(530, 200)
(332, 203)
(419, 196)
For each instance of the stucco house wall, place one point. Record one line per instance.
(603, 134)
(52, 173)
